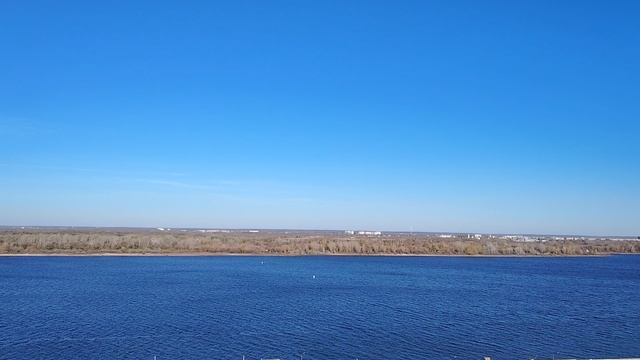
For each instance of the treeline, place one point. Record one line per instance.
(80, 242)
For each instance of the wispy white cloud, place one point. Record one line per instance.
(177, 184)
(251, 190)
(71, 169)
(244, 190)
(15, 126)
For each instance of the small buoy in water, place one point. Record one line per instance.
(314, 276)
(262, 262)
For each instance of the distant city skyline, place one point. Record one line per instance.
(356, 232)
(443, 116)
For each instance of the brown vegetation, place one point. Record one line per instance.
(83, 242)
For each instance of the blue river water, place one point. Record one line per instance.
(319, 307)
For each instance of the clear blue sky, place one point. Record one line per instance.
(474, 116)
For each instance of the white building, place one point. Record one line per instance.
(370, 233)
(362, 232)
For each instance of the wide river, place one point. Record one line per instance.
(319, 307)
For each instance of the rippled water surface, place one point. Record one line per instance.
(322, 307)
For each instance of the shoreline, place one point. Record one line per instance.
(203, 254)
(69, 243)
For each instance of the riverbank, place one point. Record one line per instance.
(285, 243)
(204, 254)
(283, 255)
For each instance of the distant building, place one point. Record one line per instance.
(370, 233)
(362, 232)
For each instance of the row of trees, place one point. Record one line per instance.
(68, 242)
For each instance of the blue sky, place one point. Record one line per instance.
(427, 115)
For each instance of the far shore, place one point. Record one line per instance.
(205, 254)
(69, 242)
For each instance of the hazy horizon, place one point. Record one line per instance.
(441, 116)
(269, 229)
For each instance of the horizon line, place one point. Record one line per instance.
(170, 228)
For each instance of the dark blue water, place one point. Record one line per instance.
(355, 307)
